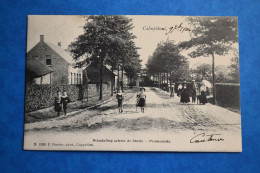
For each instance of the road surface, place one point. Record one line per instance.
(164, 116)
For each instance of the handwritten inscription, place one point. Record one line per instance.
(167, 30)
(206, 138)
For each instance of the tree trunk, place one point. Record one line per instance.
(122, 85)
(167, 81)
(118, 84)
(101, 79)
(112, 82)
(213, 78)
(86, 75)
(153, 81)
(159, 80)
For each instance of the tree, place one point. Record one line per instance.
(211, 36)
(234, 68)
(104, 41)
(166, 62)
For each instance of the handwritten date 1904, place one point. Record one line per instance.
(202, 137)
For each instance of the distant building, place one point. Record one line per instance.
(57, 59)
(93, 72)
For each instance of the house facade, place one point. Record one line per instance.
(57, 59)
(93, 72)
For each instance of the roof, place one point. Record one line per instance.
(37, 67)
(61, 52)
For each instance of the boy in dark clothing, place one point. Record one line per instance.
(57, 103)
(65, 100)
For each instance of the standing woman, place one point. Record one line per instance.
(195, 92)
(57, 103)
(179, 90)
(65, 100)
(120, 98)
(185, 98)
(142, 99)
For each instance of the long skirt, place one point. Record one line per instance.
(120, 103)
(57, 107)
(203, 99)
(185, 97)
(141, 102)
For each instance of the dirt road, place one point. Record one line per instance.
(163, 116)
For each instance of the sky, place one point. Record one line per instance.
(149, 30)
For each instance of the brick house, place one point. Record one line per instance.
(35, 69)
(58, 60)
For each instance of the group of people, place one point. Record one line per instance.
(61, 102)
(140, 100)
(197, 93)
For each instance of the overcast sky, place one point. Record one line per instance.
(65, 29)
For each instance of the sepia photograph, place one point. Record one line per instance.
(132, 83)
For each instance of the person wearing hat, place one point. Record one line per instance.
(142, 99)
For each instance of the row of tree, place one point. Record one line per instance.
(166, 64)
(107, 40)
(210, 36)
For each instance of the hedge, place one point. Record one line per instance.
(42, 96)
(228, 94)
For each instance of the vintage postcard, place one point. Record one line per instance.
(132, 83)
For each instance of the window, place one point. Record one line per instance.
(48, 60)
(79, 78)
(75, 80)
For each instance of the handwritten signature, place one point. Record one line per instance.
(202, 137)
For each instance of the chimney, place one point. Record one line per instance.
(59, 44)
(41, 38)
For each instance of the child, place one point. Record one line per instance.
(57, 103)
(120, 98)
(142, 99)
(65, 100)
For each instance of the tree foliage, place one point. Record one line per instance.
(166, 59)
(211, 35)
(234, 69)
(106, 40)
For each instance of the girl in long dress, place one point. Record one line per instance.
(120, 98)
(142, 99)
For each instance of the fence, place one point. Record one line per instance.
(228, 94)
(42, 96)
